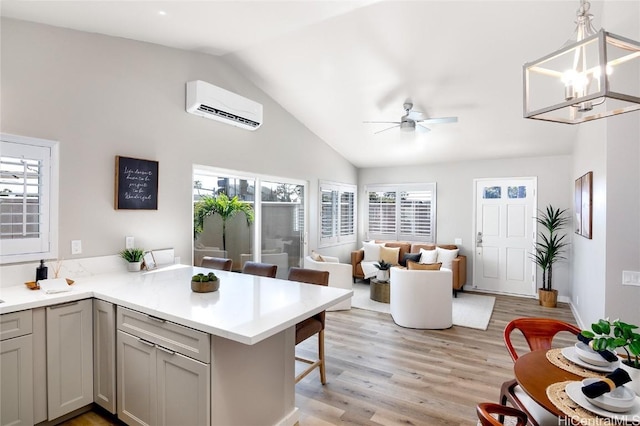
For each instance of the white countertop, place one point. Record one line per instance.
(246, 308)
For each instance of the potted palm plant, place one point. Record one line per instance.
(548, 250)
(133, 256)
(222, 205)
(608, 335)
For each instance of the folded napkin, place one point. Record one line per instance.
(607, 355)
(611, 381)
(55, 285)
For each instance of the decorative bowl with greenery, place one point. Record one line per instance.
(205, 283)
(613, 335)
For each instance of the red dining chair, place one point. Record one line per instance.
(487, 413)
(539, 334)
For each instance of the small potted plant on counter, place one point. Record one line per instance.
(202, 283)
(383, 270)
(617, 334)
(134, 258)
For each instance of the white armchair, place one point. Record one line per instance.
(421, 299)
(339, 276)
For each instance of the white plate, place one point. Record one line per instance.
(590, 356)
(619, 400)
(570, 354)
(574, 391)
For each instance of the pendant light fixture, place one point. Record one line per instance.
(596, 74)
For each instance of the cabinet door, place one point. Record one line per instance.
(16, 386)
(69, 357)
(104, 355)
(183, 389)
(136, 367)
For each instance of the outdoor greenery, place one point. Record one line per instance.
(132, 255)
(222, 205)
(616, 334)
(550, 245)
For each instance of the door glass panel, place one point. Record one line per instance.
(221, 231)
(517, 192)
(282, 225)
(492, 192)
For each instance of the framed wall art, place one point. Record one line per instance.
(136, 184)
(583, 204)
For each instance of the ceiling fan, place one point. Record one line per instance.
(408, 121)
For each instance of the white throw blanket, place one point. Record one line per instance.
(369, 269)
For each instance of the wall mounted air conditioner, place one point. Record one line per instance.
(206, 100)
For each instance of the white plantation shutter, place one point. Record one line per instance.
(402, 212)
(26, 194)
(337, 213)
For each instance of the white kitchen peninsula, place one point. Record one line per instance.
(251, 322)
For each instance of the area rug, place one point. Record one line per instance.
(469, 310)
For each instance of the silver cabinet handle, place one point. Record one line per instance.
(146, 342)
(163, 349)
(63, 305)
(156, 318)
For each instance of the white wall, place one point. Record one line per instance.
(455, 195)
(102, 96)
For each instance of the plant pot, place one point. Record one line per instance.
(548, 298)
(382, 275)
(134, 266)
(205, 287)
(634, 373)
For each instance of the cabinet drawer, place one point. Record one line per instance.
(184, 340)
(15, 324)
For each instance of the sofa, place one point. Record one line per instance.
(458, 264)
(339, 276)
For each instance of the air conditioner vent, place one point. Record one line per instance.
(210, 110)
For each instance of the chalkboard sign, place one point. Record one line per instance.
(136, 184)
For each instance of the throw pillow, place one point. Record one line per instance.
(446, 257)
(428, 256)
(315, 256)
(415, 257)
(415, 266)
(372, 252)
(390, 254)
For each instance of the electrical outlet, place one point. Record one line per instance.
(76, 247)
(128, 243)
(631, 278)
(458, 241)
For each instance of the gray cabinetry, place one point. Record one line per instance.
(104, 355)
(16, 364)
(163, 371)
(69, 357)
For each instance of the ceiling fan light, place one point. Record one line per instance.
(408, 126)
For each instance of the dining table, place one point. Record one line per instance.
(535, 373)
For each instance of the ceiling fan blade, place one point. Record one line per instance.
(439, 120)
(382, 122)
(423, 129)
(384, 130)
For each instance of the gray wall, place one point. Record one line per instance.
(455, 186)
(102, 96)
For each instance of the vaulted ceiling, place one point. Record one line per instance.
(335, 64)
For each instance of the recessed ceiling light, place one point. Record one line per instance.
(162, 13)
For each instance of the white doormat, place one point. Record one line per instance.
(469, 310)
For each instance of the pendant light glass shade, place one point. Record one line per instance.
(595, 75)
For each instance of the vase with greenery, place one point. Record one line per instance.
(383, 270)
(609, 335)
(134, 258)
(549, 249)
(221, 205)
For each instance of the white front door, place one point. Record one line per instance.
(505, 235)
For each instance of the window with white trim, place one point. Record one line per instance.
(28, 199)
(337, 213)
(405, 212)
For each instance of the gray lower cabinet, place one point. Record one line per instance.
(104, 355)
(16, 352)
(69, 357)
(156, 383)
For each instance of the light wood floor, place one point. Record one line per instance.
(381, 374)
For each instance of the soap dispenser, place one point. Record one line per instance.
(41, 271)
